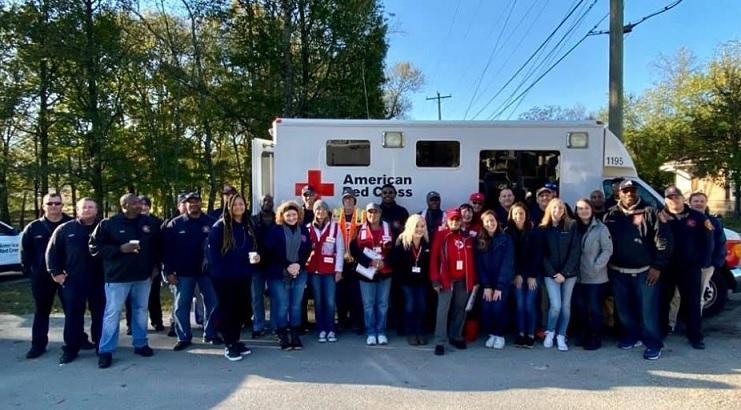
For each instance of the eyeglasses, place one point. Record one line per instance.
(308, 194)
(53, 204)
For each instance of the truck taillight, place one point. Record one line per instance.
(733, 254)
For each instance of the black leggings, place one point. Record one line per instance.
(233, 295)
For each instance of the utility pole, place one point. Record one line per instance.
(616, 68)
(438, 98)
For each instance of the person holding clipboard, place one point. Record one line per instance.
(370, 248)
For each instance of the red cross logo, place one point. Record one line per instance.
(315, 180)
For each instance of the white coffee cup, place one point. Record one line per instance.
(254, 257)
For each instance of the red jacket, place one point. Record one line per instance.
(443, 258)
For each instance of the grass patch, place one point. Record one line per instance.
(16, 299)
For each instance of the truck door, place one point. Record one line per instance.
(263, 170)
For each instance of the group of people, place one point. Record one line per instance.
(366, 266)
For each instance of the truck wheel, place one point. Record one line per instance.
(715, 295)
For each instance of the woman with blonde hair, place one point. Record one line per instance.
(287, 248)
(410, 260)
(561, 245)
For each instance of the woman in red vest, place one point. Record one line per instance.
(453, 275)
(325, 268)
(370, 248)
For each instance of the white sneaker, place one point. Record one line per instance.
(548, 340)
(322, 337)
(371, 341)
(499, 342)
(383, 340)
(331, 337)
(490, 341)
(561, 341)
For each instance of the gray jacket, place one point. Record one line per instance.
(596, 245)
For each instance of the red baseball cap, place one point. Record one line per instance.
(453, 213)
(476, 196)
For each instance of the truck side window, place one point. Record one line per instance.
(438, 154)
(348, 153)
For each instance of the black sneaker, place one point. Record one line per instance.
(258, 334)
(458, 344)
(67, 357)
(144, 351)
(181, 345)
(172, 333)
(520, 341)
(215, 340)
(529, 342)
(105, 360)
(232, 353)
(35, 352)
(87, 345)
(296, 342)
(158, 327)
(243, 350)
(439, 350)
(698, 345)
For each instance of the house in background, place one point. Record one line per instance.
(721, 196)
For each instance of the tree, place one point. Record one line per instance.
(401, 80)
(557, 113)
(715, 120)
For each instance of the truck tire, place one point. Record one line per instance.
(715, 295)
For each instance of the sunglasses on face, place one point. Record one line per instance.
(53, 204)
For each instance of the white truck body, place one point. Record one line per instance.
(298, 155)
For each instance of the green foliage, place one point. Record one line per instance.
(99, 97)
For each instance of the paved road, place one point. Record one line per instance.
(350, 375)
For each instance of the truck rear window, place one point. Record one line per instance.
(438, 154)
(348, 153)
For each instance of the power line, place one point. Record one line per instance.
(447, 38)
(519, 43)
(491, 57)
(540, 77)
(543, 44)
(547, 60)
(630, 26)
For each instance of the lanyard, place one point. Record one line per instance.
(416, 253)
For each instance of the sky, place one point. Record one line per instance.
(465, 49)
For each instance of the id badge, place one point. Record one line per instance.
(330, 239)
(328, 259)
(416, 269)
(386, 238)
(363, 235)
(458, 265)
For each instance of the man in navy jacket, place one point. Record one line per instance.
(34, 239)
(184, 238)
(80, 275)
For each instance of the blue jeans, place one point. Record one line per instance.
(286, 295)
(324, 301)
(415, 307)
(186, 286)
(526, 310)
(637, 306)
(375, 297)
(258, 302)
(494, 315)
(559, 296)
(116, 294)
